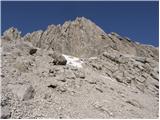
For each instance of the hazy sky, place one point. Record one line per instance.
(136, 20)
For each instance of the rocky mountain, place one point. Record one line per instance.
(76, 70)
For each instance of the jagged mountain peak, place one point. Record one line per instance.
(82, 38)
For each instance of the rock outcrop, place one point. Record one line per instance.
(76, 70)
(12, 34)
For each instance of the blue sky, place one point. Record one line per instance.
(134, 19)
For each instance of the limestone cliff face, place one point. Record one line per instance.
(82, 38)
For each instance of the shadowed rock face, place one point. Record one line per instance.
(76, 70)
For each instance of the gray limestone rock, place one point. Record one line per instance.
(69, 74)
(23, 92)
(80, 74)
(62, 71)
(12, 34)
(58, 59)
(5, 112)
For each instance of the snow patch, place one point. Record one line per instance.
(93, 58)
(73, 61)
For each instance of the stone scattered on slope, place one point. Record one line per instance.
(23, 92)
(58, 59)
(32, 51)
(5, 112)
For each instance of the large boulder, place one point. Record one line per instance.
(23, 92)
(58, 58)
(5, 112)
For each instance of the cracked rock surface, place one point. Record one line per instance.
(76, 70)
